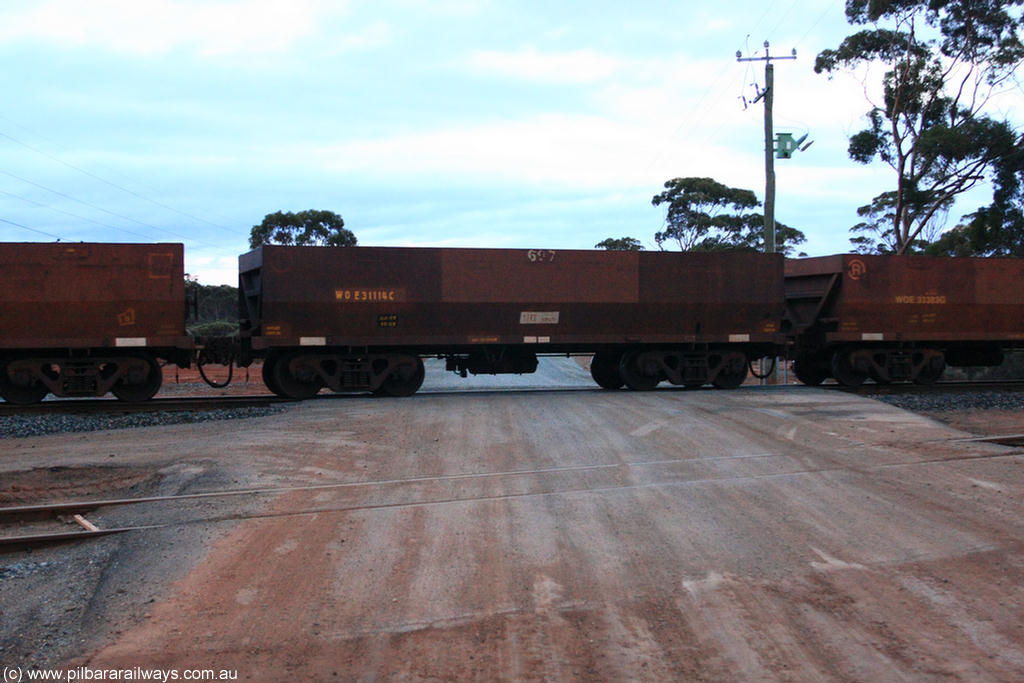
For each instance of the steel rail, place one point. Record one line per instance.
(25, 511)
(155, 405)
(36, 539)
(937, 387)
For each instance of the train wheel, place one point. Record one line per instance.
(808, 371)
(20, 388)
(140, 383)
(931, 371)
(404, 380)
(731, 375)
(877, 377)
(604, 368)
(301, 383)
(268, 376)
(844, 372)
(632, 372)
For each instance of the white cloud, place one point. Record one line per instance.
(148, 27)
(576, 66)
(572, 151)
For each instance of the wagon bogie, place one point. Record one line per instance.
(643, 369)
(301, 374)
(130, 377)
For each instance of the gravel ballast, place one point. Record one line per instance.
(16, 426)
(956, 400)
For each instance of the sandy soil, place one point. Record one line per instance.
(772, 534)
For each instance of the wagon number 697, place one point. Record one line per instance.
(540, 255)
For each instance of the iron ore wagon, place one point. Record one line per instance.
(900, 318)
(362, 318)
(82, 319)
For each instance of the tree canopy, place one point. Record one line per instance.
(705, 215)
(620, 244)
(311, 227)
(995, 230)
(944, 61)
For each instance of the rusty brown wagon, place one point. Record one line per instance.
(362, 318)
(901, 318)
(85, 319)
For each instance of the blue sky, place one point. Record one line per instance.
(440, 123)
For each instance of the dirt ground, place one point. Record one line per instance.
(983, 422)
(188, 381)
(763, 534)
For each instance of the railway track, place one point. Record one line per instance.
(112, 406)
(938, 387)
(48, 523)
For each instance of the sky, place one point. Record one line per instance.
(470, 123)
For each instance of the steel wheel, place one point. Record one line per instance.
(604, 368)
(931, 371)
(141, 382)
(844, 372)
(295, 378)
(404, 380)
(633, 375)
(268, 376)
(20, 389)
(876, 376)
(731, 375)
(810, 372)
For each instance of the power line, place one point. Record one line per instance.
(782, 19)
(25, 227)
(74, 215)
(100, 208)
(692, 119)
(115, 185)
(697, 114)
(100, 178)
(815, 24)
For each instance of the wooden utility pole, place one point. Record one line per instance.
(768, 94)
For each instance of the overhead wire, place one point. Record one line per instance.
(100, 208)
(115, 185)
(73, 215)
(781, 21)
(698, 114)
(828, 9)
(25, 227)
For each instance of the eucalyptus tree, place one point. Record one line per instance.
(944, 61)
(703, 214)
(311, 227)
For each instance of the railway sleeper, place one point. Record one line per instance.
(130, 377)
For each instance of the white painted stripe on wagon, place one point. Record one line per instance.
(543, 340)
(739, 337)
(872, 336)
(312, 341)
(129, 341)
(529, 340)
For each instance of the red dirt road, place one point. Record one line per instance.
(755, 535)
